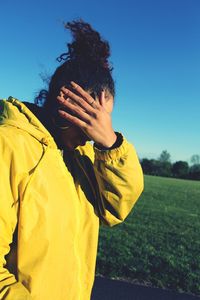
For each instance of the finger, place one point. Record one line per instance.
(62, 97)
(72, 105)
(74, 120)
(84, 94)
(79, 100)
(64, 100)
(79, 112)
(61, 94)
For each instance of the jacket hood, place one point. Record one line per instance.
(15, 113)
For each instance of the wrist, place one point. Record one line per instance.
(108, 143)
(118, 141)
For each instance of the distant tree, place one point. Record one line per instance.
(194, 172)
(195, 159)
(164, 164)
(180, 169)
(150, 166)
(165, 169)
(156, 167)
(164, 156)
(147, 166)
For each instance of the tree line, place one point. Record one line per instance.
(180, 169)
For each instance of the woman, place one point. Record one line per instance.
(56, 187)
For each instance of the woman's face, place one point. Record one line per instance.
(73, 136)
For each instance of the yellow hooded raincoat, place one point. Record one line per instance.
(51, 207)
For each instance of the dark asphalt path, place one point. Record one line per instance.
(107, 289)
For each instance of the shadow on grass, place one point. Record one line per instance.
(108, 289)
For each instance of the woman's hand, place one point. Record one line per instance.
(88, 114)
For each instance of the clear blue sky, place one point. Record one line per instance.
(155, 53)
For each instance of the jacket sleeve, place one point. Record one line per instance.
(10, 289)
(120, 179)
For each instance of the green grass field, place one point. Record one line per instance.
(159, 242)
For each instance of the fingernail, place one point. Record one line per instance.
(60, 99)
(61, 112)
(64, 90)
(74, 85)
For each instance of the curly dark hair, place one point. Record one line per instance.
(86, 63)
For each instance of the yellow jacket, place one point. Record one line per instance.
(49, 219)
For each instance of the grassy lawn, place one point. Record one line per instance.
(159, 243)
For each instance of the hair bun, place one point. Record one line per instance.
(87, 46)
